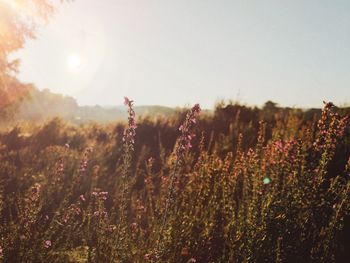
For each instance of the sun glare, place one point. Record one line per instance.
(74, 63)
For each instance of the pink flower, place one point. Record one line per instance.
(133, 227)
(186, 130)
(129, 132)
(77, 210)
(147, 256)
(126, 101)
(104, 195)
(82, 198)
(47, 243)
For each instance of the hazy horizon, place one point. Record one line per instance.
(178, 53)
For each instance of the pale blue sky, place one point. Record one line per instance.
(179, 52)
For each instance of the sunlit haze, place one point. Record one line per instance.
(74, 62)
(296, 53)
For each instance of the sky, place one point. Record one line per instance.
(181, 52)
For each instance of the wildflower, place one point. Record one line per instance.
(184, 144)
(100, 214)
(141, 208)
(103, 195)
(84, 161)
(328, 104)
(96, 213)
(147, 256)
(191, 260)
(110, 228)
(331, 128)
(186, 131)
(128, 148)
(77, 210)
(47, 243)
(126, 101)
(82, 198)
(129, 132)
(133, 226)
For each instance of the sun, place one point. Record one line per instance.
(74, 63)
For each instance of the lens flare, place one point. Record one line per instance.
(266, 180)
(74, 63)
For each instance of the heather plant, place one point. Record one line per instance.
(122, 240)
(176, 180)
(267, 185)
(128, 148)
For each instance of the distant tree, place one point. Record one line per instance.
(18, 22)
(270, 105)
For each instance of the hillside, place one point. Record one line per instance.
(38, 106)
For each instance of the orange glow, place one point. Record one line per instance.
(11, 3)
(22, 8)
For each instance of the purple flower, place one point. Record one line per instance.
(77, 210)
(47, 243)
(129, 132)
(126, 101)
(183, 145)
(186, 129)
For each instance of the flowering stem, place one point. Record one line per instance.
(128, 149)
(183, 145)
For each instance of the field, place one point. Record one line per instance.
(239, 184)
(257, 172)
